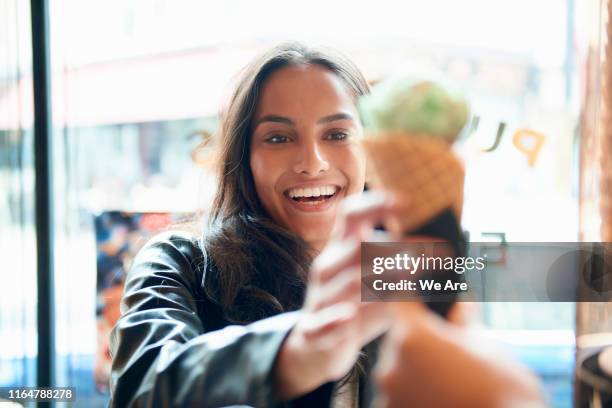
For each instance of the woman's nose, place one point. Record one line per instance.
(310, 161)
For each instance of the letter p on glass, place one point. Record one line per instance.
(528, 142)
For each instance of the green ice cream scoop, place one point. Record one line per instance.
(416, 107)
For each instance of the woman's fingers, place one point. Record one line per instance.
(336, 257)
(330, 326)
(360, 213)
(374, 320)
(316, 350)
(357, 219)
(343, 287)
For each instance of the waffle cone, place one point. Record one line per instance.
(423, 172)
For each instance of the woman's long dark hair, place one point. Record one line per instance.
(258, 268)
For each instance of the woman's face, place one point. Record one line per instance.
(305, 150)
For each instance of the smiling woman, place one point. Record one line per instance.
(261, 306)
(303, 158)
(206, 316)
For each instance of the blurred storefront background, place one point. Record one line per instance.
(137, 86)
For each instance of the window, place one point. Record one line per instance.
(137, 84)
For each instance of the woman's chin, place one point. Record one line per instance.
(313, 234)
(313, 222)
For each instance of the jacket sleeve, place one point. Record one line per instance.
(162, 358)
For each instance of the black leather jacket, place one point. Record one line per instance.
(172, 347)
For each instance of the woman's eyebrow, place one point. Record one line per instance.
(335, 117)
(287, 121)
(275, 119)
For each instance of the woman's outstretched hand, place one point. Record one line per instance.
(426, 361)
(335, 324)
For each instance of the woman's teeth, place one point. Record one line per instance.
(312, 195)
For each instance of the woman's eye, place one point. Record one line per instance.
(338, 136)
(277, 139)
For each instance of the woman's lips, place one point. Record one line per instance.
(324, 203)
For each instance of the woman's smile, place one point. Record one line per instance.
(314, 197)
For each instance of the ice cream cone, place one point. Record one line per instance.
(410, 126)
(423, 172)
